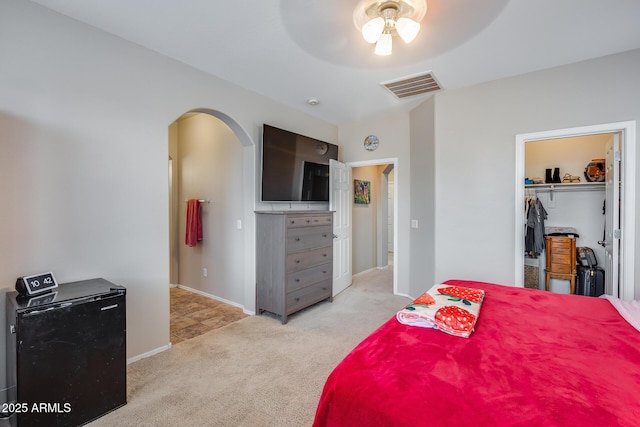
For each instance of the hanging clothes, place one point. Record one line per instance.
(534, 239)
(193, 231)
(529, 199)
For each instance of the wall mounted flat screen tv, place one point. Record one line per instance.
(295, 168)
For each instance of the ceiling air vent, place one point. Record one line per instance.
(416, 84)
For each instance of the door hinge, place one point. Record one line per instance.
(617, 156)
(617, 234)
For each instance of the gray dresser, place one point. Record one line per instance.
(294, 260)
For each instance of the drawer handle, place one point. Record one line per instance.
(297, 299)
(297, 239)
(297, 261)
(308, 221)
(297, 280)
(324, 272)
(324, 255)
(324, 235)
(292, 222)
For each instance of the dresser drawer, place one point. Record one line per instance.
(303, 260)
(303, 278)
(561, 247)
(299, 221)
(322, 219)
(561, 268)
(307, 220)
(303, 297)
(561, 258)
(308, 238)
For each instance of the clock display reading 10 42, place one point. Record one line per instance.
(39, 283)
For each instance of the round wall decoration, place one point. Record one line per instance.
(371, 142)
(321, 148)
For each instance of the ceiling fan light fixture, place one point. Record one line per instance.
(380, 20)
(372, 30)
(407, 29)
(384, 45)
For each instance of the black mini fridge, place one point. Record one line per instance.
(66, 354)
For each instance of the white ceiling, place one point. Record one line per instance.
(293, 50)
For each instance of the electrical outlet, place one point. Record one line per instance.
(239, 224)
(414, 223)
(204, 272)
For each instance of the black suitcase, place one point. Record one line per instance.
(590, 281)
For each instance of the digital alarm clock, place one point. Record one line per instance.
(36, 284)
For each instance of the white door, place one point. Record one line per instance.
(340, 203)
(390, 218)
(612, 217)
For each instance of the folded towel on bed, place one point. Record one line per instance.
(451, 309)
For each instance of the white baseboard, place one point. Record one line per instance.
(405, 295)
(149, 353)
(204, 294)
(364, 272)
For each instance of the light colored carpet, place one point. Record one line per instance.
(256, 371)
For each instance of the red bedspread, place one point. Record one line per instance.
(535, 359)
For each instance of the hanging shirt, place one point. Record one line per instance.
(535, 222)
(538, 230)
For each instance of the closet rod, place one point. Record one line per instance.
(573, 186)
(201, 201)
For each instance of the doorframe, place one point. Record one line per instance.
(248, 224)
(389, 161)
(627, 221)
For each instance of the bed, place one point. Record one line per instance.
(535, 358)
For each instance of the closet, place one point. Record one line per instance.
(572, 208)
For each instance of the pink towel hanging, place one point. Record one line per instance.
(194, 223)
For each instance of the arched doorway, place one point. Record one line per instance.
(212, 159)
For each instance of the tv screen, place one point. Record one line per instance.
(295, 168)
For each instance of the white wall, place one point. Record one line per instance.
(423, 186)
(84, 126)
(393, 133)
(210, 157)
(475, 131)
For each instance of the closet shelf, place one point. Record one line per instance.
(568, 186)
